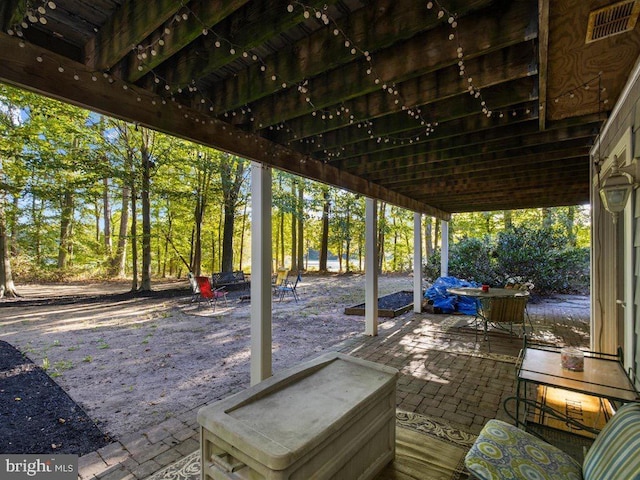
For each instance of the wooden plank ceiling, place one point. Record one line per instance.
(439, 107)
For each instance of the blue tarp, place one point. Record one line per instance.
(447, 302)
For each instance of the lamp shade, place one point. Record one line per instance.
(615, 191)
(614, 197)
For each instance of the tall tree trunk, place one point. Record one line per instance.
(36, 218)
(146, 210)
(394, 263)
(166, 244)
(213, 251)
(134, 240)
(192, 248)
(66, 226)
(324, 244)
(12, 220)
(436, 234)
(428, 238)
(198, 214)
(7, 287)
(196, 261)
(227, 236)
(97, 214)
(300, 207)
(119, 260)
(232, 180)
(106, 207)
(204, 175)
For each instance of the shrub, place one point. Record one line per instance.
(538, 256)
(469, 259)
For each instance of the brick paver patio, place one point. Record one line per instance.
(445, 373)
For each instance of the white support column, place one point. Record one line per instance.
(417, 262)
(371, 268)
(261, 255)
(444, 250)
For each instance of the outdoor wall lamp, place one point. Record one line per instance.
(616, 189)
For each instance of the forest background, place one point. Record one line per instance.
(83, 196)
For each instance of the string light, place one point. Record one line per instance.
(33, 14)
(143, 53)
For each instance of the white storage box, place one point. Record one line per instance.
(331, 418)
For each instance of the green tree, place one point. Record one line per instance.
(233, 173)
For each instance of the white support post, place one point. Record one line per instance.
(261, 254)
(444, 249)
(417, 262)
(371, 268)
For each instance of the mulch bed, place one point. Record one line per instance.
(36, 415)
(390, 305)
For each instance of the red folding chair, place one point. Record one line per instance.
(208, 294)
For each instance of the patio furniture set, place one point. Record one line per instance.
(214, 289)
(505, 451)
(327, 418)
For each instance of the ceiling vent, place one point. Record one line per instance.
(611, 20)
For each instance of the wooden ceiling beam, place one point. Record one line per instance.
(202, 12)
(130, 24)
(447, 149)
(498, 67)
(505, 178)
(481, 164)
(511, 200)
(376, 151)
(53, 77)
(529, 199)
(422, 52)
(559, 201)
(500, 97)
(251, 25)
(409, 165)
(489, 198)
(543, 57)
(479, 128)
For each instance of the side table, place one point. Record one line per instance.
(603, 376)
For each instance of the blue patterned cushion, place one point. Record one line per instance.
(615, 454)
(504, 452)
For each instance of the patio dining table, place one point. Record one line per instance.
(485, 298)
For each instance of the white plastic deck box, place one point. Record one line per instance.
(331, 418)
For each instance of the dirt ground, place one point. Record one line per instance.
(132, 362)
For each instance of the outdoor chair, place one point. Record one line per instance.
(503, 451)
(288, 287)
(279, 280)
(195, 290)
(208, 294)
(507, 311)
(503, 313)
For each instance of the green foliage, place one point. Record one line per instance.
(541, 256)
(64, 171)
(471, 260)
